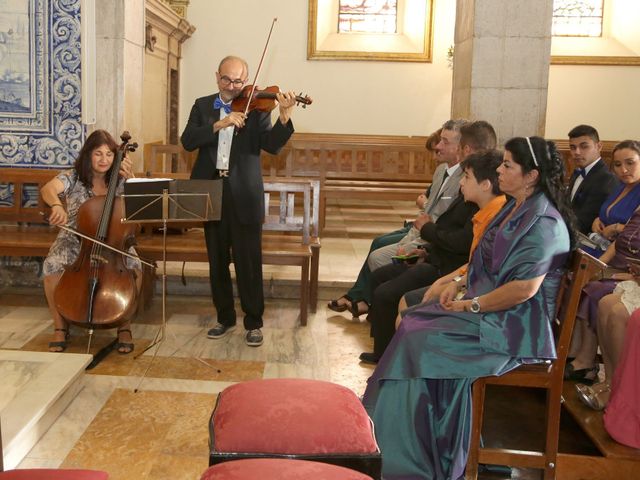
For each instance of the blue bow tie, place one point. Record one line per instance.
(219, 104)
(579, 172)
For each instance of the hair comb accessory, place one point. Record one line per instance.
(535, 160)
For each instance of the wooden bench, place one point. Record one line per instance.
(361, 167)
(23, 232)
(290, 236)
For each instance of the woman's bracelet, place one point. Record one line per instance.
(55, 205)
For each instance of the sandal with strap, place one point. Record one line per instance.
(124, 348)
(336, 306)
(596, 396)
(62, 345)
(355, 309)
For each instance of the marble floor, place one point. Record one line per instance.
(147, 417)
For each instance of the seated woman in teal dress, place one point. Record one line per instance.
(419, 396)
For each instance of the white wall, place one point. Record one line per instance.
(394, 98)
(607, 97)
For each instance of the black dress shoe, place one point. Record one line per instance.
(369, 357)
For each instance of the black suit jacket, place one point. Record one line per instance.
(591, 194)
(450, 236)
(245, 170)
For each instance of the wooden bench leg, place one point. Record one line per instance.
(304, 293)
(313, 281)
(322, 212)
(147, 289)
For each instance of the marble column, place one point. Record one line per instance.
(501, 64)
(120, 30)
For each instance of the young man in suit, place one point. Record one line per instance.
(592, 181)
(229, 145)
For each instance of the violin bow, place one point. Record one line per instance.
(255, 79)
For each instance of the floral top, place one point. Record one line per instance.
(66, 247)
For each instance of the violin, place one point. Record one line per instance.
(262, 100)
(98, 290)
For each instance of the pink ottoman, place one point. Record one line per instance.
(279, 469)
(293, 418)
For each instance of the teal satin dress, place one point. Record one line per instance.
(419, 396)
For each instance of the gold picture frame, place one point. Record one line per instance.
(413, 45)
(595, 60)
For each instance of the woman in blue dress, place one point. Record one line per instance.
(623, 206)
(419, 396)
(617, 209)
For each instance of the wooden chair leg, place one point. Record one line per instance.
(553, 429)
(477, 412)
(304, 293)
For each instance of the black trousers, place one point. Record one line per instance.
(389, 283)
(245, 241)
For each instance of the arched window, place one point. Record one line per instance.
(577, 18)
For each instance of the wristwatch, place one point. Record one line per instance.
(458, 278)
(475, 305)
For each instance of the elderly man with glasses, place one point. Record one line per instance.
(229, 145)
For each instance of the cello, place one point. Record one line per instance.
(98, 290)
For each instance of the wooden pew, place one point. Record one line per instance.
(23, 230)
(290, 237)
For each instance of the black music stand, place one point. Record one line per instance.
(170, 201)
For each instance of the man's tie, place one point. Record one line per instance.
(579, 172)
(219, 104)
(444, 179)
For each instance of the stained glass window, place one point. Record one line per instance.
(577, 18)
(368, 16)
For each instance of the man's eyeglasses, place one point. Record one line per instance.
(236, 83)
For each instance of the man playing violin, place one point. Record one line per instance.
(229, 144)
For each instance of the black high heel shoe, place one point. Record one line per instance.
(584, 375)
(340, 307)
(61, 345)
(355, 309)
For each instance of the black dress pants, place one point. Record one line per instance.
(245, 241)
(389, 283)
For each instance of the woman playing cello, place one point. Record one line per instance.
(88, 178)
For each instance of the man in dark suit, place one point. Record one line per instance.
(592, 181)
(229, 145)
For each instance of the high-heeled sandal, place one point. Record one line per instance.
(340, 307)
(355, 309)
(584, 375)
(124, 348)
(595, 397)
(62, 345)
